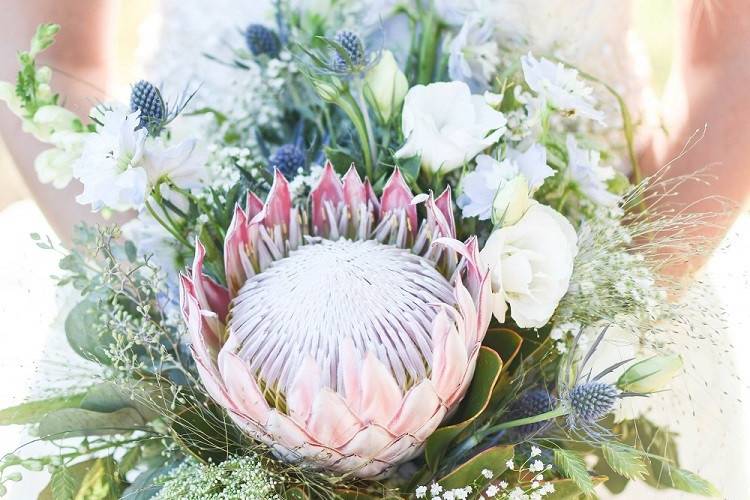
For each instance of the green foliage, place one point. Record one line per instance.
(33, 411)
(95, 479)
(470, 472)
(70, 422)
(29, 81)
(572, 466)
(624, 460)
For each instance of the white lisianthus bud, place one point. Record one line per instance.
(650, 375)
(386, 86)
(511, 201)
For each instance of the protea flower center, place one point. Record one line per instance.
(383, 297)
(347, 332)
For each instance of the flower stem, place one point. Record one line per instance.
(347, 103)
(428, 48)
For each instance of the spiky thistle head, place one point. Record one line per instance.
(146, 98)
(529, 403)
(288, 159)
(262, 41)
(589, 402)
(353, 57)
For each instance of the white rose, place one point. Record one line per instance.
(447, 126)
(530, 265)
(386, 86)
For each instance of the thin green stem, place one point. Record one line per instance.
(166, 226)
(347, 103)
(428, 48)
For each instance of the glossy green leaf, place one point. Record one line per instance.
(34, 411)
(477, 397)
(493, 459)
(505, 342)
(70, 422)
(83, 335)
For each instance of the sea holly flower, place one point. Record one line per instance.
(262, 41)
(560, 87)
(447, 126)
(346, 333)
(530, 265)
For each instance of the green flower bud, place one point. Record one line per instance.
(386, 87)
(328, 90)
(511, 201)
(650, 375)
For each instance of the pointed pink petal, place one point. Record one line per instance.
(279, 204)
(202, 336)
(444, 202)
(381, 396)
(241, 386)
(303, 391)
(450, 357)
(211, 381)
(254, 205)
(329, 189)
(202, 289)
(420, 404)
(352, 376)
(355, 193)
(284, 431)
(217, 297)
(236, 244)
(474, 272)
(397, 195)
(369, 442)
(331, 422)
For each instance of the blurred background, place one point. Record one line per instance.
(29, 306)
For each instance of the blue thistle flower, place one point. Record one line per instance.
(146, 98)
(531, 402)
(262, 41)
(354, 48)
(289, 159)
(589, 402)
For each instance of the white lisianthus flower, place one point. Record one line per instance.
(111, 166)
(530, 265)
(487, 184)
(474, 54)
(447, 126)
(386, 86)
(560, 87)
(591, 178)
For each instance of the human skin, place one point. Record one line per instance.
(82, 62)
(707, 97)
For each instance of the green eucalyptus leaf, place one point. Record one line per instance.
(109, 397)
(84, 337)
(573, 467)
(493, 459)
(34, 411)
(70, 422)
(475, 402)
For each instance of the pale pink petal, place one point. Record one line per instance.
(241, 386)
(303, 391)
(355, 193)
(420, 404)
(369, 442)
(328, 190)
(468, 309)
(372, 199)
(444, 202)
(429, 427)
(381, 396)
(398, 196)
(217, 297)
(254, 205)
(331, 422)
(450, 359)
(203, 338)
(236, 245)
(279, 204)
(352, 374)
(212, 381)
(282, 430)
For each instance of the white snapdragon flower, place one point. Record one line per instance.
(447, 126)
(530, 264)
(474, 54)
(55, 165)
(559, 86)
(483, 187)
(111, 166)
(584, 169)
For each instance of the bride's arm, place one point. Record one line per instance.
(82, 61)
(709, 85)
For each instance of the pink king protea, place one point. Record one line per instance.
(344, 338)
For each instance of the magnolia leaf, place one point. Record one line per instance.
(624, 460)
(34, 411)
(71, 422)
(505, 342)
(108, 397)
(95, 479)
(493, 459)
(572, 466)
(475, 402)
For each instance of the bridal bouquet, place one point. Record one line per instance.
(381, 268)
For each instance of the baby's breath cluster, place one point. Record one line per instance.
(238, 477)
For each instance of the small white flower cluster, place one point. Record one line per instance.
(535, 489)
(224, 160)
(562, 332)
(302, 183)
